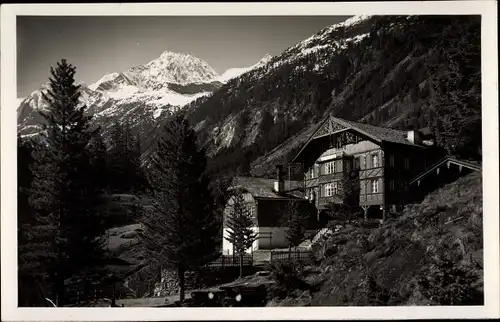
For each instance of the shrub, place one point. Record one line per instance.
(287, 276)
(446, 282)
(371, 292)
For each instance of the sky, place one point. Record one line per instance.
(100, 45)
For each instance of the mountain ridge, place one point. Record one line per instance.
(149, 91)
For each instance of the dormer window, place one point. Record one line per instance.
(375, 161)
(330, 167)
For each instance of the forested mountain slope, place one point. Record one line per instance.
(396, 71)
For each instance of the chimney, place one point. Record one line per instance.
(279, 185)
(414, 137)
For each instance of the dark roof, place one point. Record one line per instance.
(378, 133)
(375, 133)
(473, 165)
(264, 187)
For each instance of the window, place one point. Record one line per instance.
(330, 167)
(357, 163)
(331, 189)
(310, 173)
(375, 161)
(391, 185)
(391, 160)
(407, 163)
(374, 186)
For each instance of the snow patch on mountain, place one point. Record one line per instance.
(176, 99)
(323, 34)
(236, 72)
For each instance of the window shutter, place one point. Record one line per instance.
(368, 161)
(380, 185)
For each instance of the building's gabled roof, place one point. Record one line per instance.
(473, 165)
(377, 133)
(334, 125)
(264, 188)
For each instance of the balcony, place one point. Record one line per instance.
(314, 182)
(371, 173)
(371, 199)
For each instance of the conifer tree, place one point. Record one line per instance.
(182, 231)
(118, 158)
(63, 193)
(296, 231)
(24, 178)
(31, 245)
(239, 225)
(99, 162)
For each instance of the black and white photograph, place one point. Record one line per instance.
(338, 159)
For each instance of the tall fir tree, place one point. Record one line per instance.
(126, 173)
(117, 155)
(63, 192)
(24, 177)
(296, 231)
(33, 238)
(99, 162)
(239, 224)
(182, 232)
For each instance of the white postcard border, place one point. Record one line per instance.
(488, 10)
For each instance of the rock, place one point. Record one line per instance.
(374, 236)
(372, 256)
(330, 250)
(129, 234)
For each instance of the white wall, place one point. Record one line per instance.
(227, 247)
(278, 239)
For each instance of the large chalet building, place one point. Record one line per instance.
(375, 163)
(372, 169)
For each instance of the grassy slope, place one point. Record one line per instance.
(431, 255)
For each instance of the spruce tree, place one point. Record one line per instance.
(33, 238)
(296, 231)
(24, 177)
(182, 231)
(118, 153)
(239, 225)
(63, 193)
(99, 162)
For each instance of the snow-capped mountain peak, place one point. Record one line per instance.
(177, 68)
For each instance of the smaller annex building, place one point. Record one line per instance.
(268, 201)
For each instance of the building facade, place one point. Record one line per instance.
(362, 165)
(268, 201)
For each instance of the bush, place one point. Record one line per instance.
(445, 283)
(288, 278)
